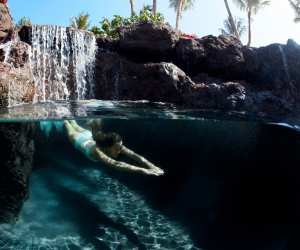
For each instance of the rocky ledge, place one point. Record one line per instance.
(6, 24)
(150, 61)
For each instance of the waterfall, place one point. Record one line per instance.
(292, 88)
(62, 62)
(285, 64)
(6, 47)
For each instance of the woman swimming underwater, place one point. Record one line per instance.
(105, 147)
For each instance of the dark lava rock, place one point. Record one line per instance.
(17, 150)
(224, 96)
(148, 42)
(219, 56)
(120, 79)
(25, 34)
(6, 24)
(107, 44)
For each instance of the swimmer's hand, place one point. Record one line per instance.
(123, 166)
(156, 172)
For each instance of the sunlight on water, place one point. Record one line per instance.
(54, 216)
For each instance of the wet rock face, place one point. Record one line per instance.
(156, 42)
(17, 150)
(16, 79)
(6, 24)
(222, 73)
(120, 79)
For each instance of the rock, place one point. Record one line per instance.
(224, 96)
(17, 150)
(107, 44)
(218, 56)
(6, 24)
(120, 79)
(148, 42)
(16, 79)
(25, 33)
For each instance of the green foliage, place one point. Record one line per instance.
(295, 4)
(111, 28)
(187, 4)
(81, 21)
(24, 21)
(229, 30)
(96, 30)
(252, 5)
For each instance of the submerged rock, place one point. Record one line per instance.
(17, 150)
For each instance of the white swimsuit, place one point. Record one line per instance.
(84, 142)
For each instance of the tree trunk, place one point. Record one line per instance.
(178, 13)
(231, 20)
(249, 27)
(132, 3)
(154, 7)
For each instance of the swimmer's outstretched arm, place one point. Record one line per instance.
(138, 158)
(124, 166)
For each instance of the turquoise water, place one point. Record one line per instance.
(229, 183)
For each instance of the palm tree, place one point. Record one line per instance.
(238, 24)
(24, 21)
(132, 7)
(296, 6)
(180, 6)
(251, 7)
(231, 20)
(154, 7)
(81, 21)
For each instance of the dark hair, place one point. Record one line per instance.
(106, 139)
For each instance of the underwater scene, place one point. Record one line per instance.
(226, 183)
(149, 125)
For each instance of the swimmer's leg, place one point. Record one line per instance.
(70, 130)
(76, 126)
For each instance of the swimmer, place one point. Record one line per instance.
(106, 147)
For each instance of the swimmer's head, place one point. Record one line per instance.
(94, 125)
(111, 143)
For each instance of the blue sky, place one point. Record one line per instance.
(272, 24)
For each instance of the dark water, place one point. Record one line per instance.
(228, 185)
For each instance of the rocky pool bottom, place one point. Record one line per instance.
(228, 185)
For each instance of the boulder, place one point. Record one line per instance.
(120, 79)
(224, 96)
(218, 56)
(16, 79)
(6, 24)
(148, 42)
(17, 149)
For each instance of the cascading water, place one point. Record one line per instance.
(285, 64)
(63, 63)
(6, 47)
(292, 87)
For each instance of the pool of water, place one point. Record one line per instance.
(230, 182)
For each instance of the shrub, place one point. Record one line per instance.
(111, 28)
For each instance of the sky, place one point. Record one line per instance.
(273, 24)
